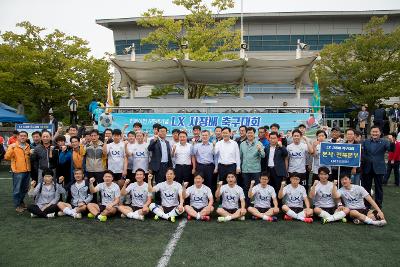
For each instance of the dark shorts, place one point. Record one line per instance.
(329, 210)
(168, 209)
(262, 210)
(296, 209)
(198, 210)
(135, 208)
(102, 208)
(362, 211)
(117, 176)
(130, 175)
(231, 211)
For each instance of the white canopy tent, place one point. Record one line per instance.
(240, 72)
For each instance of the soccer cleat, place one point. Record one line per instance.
(287, 218)
(221, 219)
(205, 218)
(78, 216)
(254, 218)
(272, 219)
(189, 217)
(123, 215)
(33, 215)
(90, 215)
(102, 218)
(343, 220)
(324, 221)
(308, 220)
(172, 219)
(140, 218)
(242, 218)
(60, 213)
(51, 215)
(356, 221)
(156, 217)
(381, 223)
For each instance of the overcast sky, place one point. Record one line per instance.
(77, 17)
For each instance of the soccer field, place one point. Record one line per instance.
(65, 241)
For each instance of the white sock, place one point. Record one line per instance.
(301, 216)
(158, 211)
(68, 211)
(369, 221)
(337, 216)
(324, 215)
(294, 215)
(198, 216)
(133, 215)
(265, 217)
(174, 213)
(228, 218)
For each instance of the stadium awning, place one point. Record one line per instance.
(247, 71)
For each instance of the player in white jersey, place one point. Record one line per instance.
(171, 197)
(201, 199)
(110, 196)
(233, 201)
(295, 197)
(140, 197)
(80, 197)
(353, 197)
(324, 195)
(263, 193)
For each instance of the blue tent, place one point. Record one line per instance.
(6, 107)
(8, 116)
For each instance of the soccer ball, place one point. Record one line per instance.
(106, 120)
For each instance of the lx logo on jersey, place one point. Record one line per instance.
(230, 198)
(107, 195)
(169, 195)
(296, 154)
(263, 198)
(293, 198)
(116, 152)
(140, 154)
(197, 199)
(139, 196)
(324, 195)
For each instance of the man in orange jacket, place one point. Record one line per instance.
(19, 154)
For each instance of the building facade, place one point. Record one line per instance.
(269, 36)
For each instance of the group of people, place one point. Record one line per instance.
(262, 172)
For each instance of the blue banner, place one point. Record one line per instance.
(33, 127)
(209, 121)
(335, 154)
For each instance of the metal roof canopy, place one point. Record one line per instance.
(240, 71)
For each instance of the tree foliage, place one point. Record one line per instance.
(363, 69)
(210, 39)
(42, 70)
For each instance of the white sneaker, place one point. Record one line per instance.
(140, 218)
(78, 216)
(33, 215)
(60, 213)
(221, 219)
(382, 223)
(123, 215)
(242, 218)
(51, 215)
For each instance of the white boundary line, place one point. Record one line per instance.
(169, 250)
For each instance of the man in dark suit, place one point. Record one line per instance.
(379, 117)
(160, 155)
(373, 162)
(277, 161)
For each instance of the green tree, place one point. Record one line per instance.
(363, 69)
(209, 38)
(42, 70)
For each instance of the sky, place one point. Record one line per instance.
(77, 17)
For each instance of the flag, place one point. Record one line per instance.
(316, 100)
(110, 98)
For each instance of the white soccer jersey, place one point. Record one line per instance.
(139, 194)
(231, 196)
(323, 196)
(353, 198)
(140, 157)
(116, 156)
(199, 197)
(169, 193)
(263, 196)
(297, 157)
(108, 193)
(294, 197)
